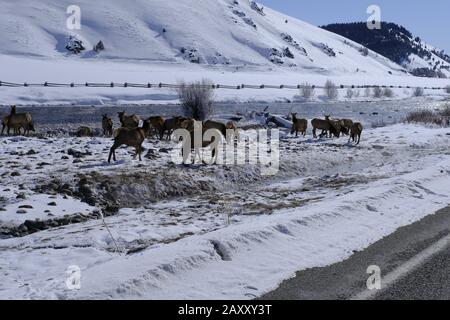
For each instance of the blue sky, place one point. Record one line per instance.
(427, 19)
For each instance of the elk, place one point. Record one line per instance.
(215, 125)
(132, 137)
(346, 125)
(20, 120)
(156, 126)
(5, 121)
(337, 128)
(107, 125)
(355, 132)
(196, 128)
(170, 125)
(299, 125)
(129, 121)
(231, 128)
(324, 125)
(84, 132)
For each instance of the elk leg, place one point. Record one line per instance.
(111, 153)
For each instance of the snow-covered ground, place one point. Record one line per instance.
(38, 70)
(155, 229)
(206, 231)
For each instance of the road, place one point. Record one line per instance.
(414, 263)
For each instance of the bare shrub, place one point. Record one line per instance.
(446, 111)
(418, 92)
(388, 93)
(429, 117)
(196, 98)
(307, 91)
(377, 92)
(331, 90)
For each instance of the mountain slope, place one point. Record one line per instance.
(207, 32)
(398, 44)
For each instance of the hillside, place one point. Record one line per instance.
(399, 45)
(206, 32)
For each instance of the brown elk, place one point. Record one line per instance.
(156, 125)
(129, 121)
(5, 121)
(355, 132)
(84, 132)
(210, 124)
(232, 131)
(197, 128)
(170, 125)
(337, 128)
(299, 125)
(325, 126)
(132, 137)
(107, 126)
(346, 125)
(18, 121)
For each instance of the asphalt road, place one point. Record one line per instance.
(428, 280)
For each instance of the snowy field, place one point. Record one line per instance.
(65, 70)
(205, 232)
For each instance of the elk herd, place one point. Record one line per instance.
(135, 129)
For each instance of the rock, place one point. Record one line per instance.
(151, 155)
(31, 152)
(2, 209)
(21, 196)
(35, 225)
(26, 206)
(52, 204)
(86, 194)
(64, 158)
(15, 174)
(78, 154)
(99, 47)
(21, 211)
(74, 45)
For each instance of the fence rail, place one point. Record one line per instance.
(213, 86)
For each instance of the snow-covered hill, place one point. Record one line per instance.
(164, 41)
(212, 32)
(399, 45)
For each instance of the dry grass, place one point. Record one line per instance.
(440, 118)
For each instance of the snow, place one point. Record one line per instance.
(37, 204)
(329, 199)
(138, 51)
(198, 231)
